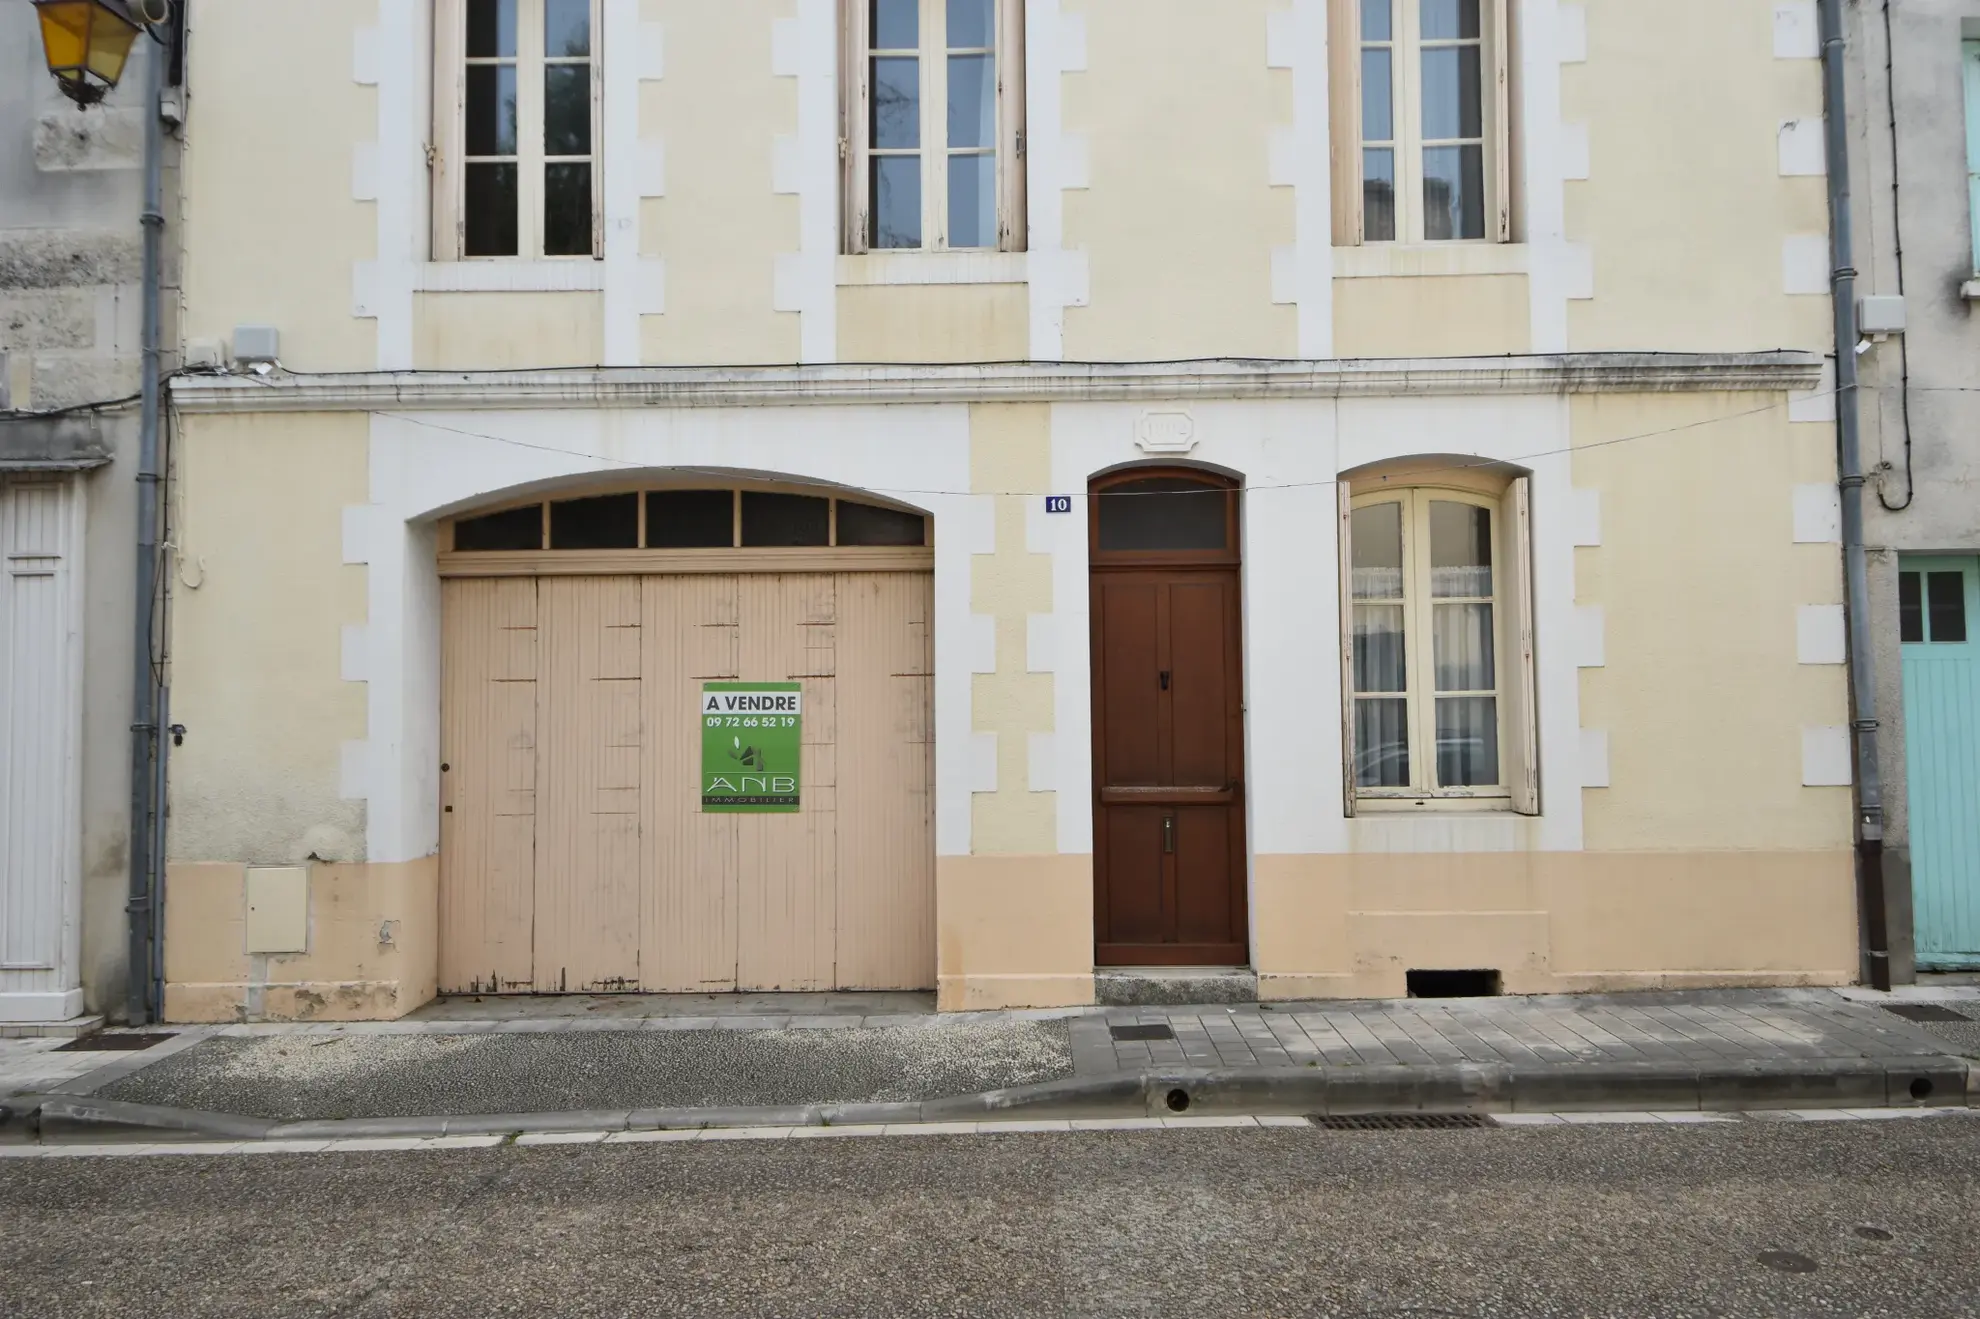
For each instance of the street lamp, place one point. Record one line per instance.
(86, 43)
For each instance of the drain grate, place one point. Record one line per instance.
(104, 1042)
(1400, 1121)
(1151, 1032)
(1924, 1012)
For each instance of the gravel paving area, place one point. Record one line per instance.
(314, 1076)
(1742, 1221)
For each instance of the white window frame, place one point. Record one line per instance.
(1344, 37)
(1518, 788)
(446, 150)
(855, 133)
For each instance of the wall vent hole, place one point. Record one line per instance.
(1921, 1087)
(1454, 984)
(1178, 1101)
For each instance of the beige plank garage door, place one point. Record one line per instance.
(574, 854)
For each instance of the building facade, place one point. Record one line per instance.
(1915, 118)
(1337, 492)
(71, 296)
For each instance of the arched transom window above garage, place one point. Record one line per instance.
(765, 527)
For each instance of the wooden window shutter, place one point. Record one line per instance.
(1011, 219)
(1522, 712)
(854, 96)
(1345, 499)
(1344, 117)
(444, 136)
(1501, 142)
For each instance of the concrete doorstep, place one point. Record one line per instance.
(1802, 1083)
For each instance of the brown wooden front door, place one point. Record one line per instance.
(1168, 722)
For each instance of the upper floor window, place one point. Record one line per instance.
(1970, 66)
(933, 125)
(1421, 114)
(1438, 652)
(516, 131)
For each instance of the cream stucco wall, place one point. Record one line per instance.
(933, 323)
(260, 602)
(1686, 208)
(1176, 106)
(719, 111)
(498, 331)
(1432, 316)
(1694, 592)
(269, 223)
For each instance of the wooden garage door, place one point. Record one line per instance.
(574, 856)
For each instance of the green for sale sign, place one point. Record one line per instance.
(750, 745)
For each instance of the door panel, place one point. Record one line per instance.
(688, 889)
(488, 785)
(1168, 766)
(576, 855)
(1942, 762)
(589, 786)
(1201, 687)
(1130, 622)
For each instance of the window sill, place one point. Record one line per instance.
(1970, 290)
(574, 274)
(1433, 806)
(1394, 260)
(872, 268)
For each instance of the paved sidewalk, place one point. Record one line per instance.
(528, 1064)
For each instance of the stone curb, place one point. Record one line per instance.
(1942, 1082)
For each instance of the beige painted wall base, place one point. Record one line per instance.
(371, 951)
(1013, 931)
(1353, 926)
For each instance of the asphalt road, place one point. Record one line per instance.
(1761, 1219)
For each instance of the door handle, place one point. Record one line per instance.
(1169, 835)
(1165, 680)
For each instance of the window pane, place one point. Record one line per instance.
(690, 519)
(602, 522)
(1467, 742)
(896, 201)
(1449, 20)
(1451, 96)
(489, 221)
(491, 110)
(1945, 601)
(972, 100)
(896, 24)
(1376, 530)
(1453, 192)
(1460, 549)
(785, 519)
(1379, 659)
(567, 210)
(1378, 196)
(511, 529)
(1377, 96)
(491, 29)
(973, 201)
(1911, 608)
(896, 103)
(1162, 513)
(567, 110)
(566, 27)
(1381, 743)
(1461, 645)
(869, 524)
(972, 23)
(1376, 19)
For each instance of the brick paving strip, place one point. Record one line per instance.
(448, 1076)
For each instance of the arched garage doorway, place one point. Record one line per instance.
(580, 635)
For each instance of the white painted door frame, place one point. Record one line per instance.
(41, 619)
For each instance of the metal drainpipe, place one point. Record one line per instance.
(144, 714)
(1849, 461)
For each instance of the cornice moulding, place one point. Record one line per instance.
(1004, 382)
